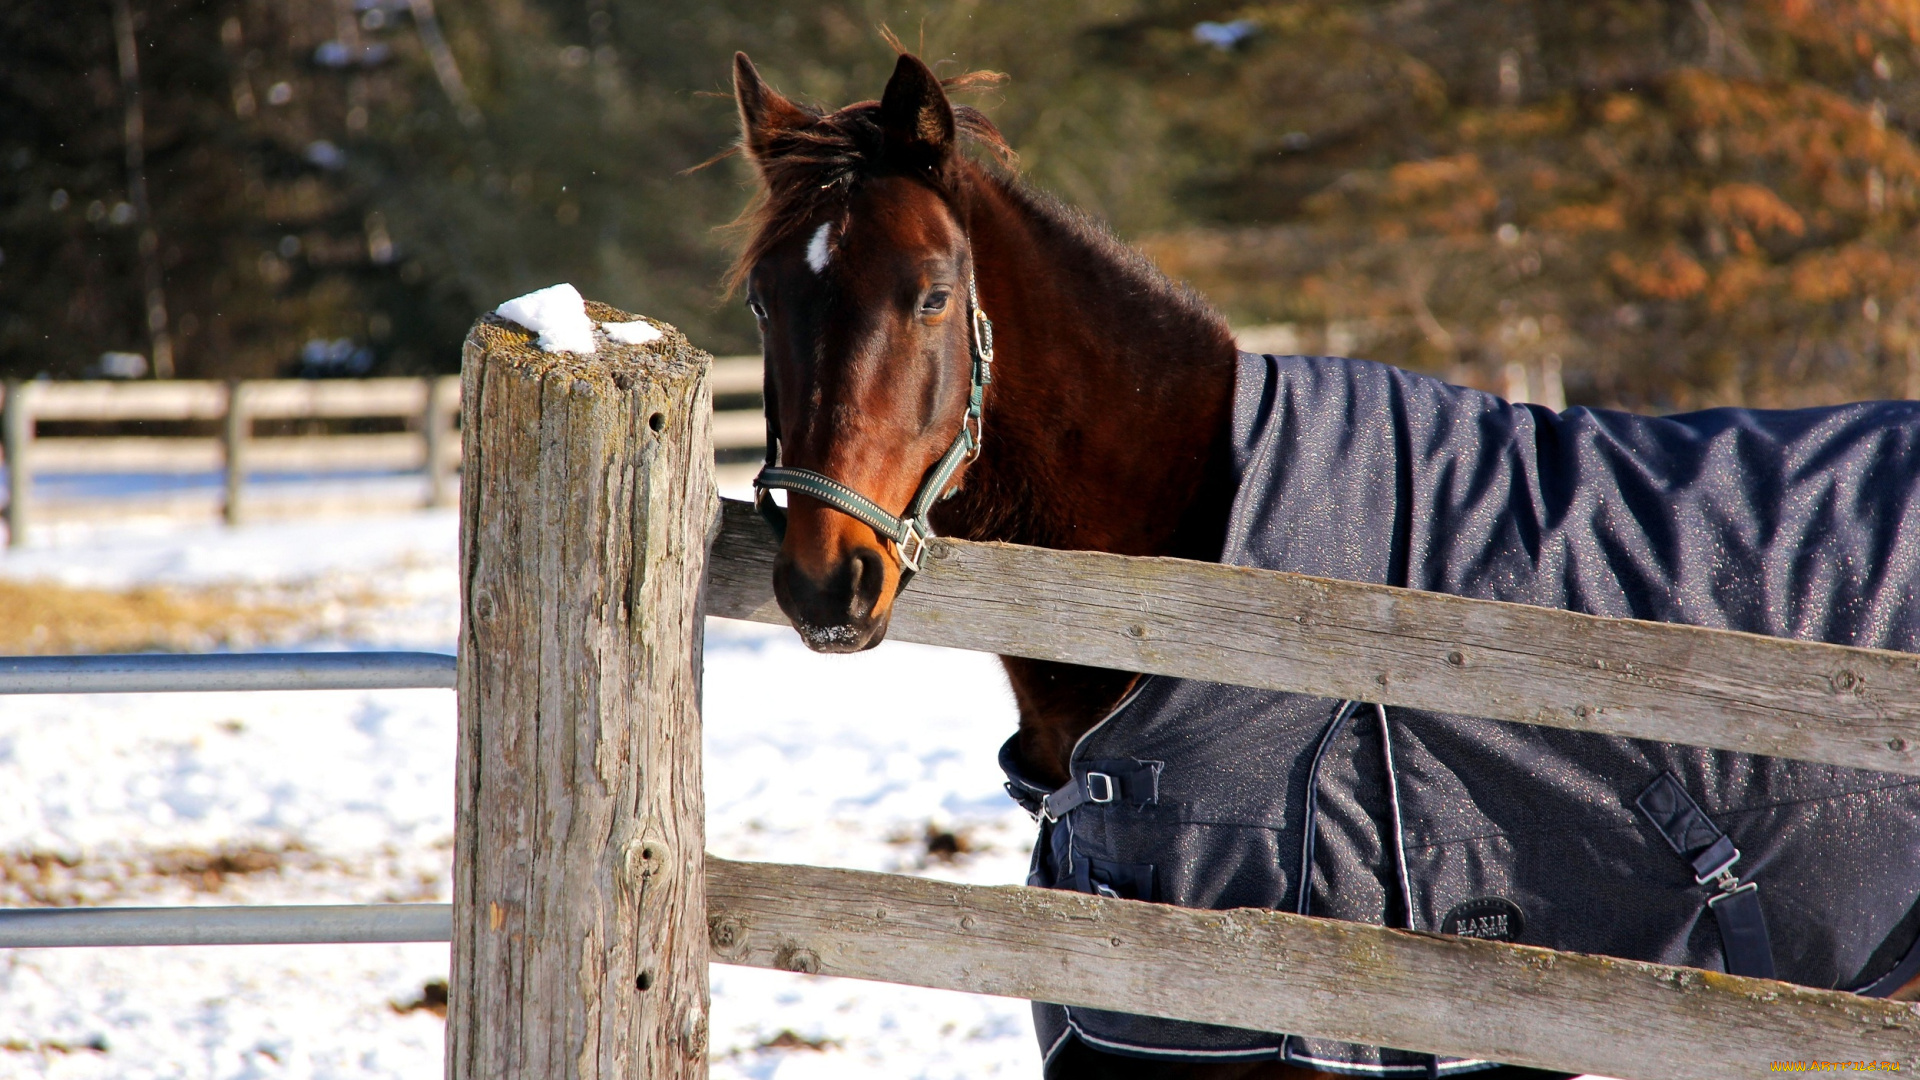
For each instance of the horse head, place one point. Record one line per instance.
(859, 274)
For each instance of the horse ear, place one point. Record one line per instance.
(764, 114)
(915, 113)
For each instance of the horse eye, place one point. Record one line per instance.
(758, 311)
(935, 303)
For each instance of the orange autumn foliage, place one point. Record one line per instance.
(1670, 275)
(1676, 212)
(1756, 208)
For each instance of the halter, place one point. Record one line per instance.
(909, 531)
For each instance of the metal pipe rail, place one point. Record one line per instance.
(270, 925)
(288, 924)
(173, 673)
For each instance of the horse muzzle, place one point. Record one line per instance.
(842, 606)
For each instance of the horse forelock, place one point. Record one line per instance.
(808, 170)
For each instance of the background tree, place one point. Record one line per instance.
(1684, 204)
(264, 241)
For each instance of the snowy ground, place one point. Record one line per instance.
(347, 797)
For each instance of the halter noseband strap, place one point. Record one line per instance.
(909, 531)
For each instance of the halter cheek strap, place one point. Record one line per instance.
(911, 530)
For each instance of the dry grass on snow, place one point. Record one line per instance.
(38, 617)
(43, 878)
(50, 879)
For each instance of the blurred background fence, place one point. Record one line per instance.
(186, 446)
(274, 429)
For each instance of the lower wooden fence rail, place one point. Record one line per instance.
(1274, 971)
(585, 910)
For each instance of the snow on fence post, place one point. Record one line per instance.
(587, 501)
(16, 433)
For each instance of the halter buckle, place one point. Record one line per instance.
(911, 559)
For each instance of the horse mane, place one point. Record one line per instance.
(806, 167)
(1116, 264)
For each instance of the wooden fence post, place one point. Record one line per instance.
(234, 433)
(436, 424)
(587, 504)
(16, 432)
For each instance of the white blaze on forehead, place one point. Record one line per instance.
(817, 251)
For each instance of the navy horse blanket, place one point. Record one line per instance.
(1801, 524)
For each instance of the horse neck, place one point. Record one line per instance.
(1107, 419)
(1106, 427)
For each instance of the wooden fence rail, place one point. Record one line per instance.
(1274, 971)
(1343, 639)
(587, 527)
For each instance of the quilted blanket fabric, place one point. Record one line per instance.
(1802, 524)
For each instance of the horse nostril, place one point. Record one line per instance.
(868, 575)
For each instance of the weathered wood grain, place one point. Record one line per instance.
(1273, 971)
(1339, 639)
(586, 504)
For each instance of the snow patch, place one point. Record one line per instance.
(817, 250)
(557, 313)
(632, 333)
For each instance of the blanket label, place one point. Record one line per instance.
(1490, 918)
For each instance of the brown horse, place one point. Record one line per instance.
(1106, 405)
